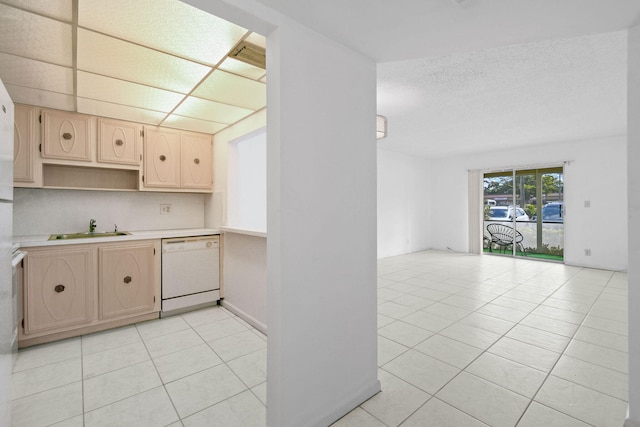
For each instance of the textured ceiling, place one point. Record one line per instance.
(161, 63)
(536, 93)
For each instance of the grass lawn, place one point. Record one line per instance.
(527, 255)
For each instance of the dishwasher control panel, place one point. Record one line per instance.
(190, 244)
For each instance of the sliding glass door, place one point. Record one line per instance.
(524, 213)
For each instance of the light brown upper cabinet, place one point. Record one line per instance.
(24, 142)
(66, 136)
(119, 142)
(177, 160)
(196, 152)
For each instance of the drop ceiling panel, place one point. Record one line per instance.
(233, 89)
(257, 39)
(105, 55)
(189, 123)
(35, 37)
(123, 112)
(58, 9)
(121, 92)
(42, 98)
(170, 26)
(213, 111)
(242, 68)
(35, 74)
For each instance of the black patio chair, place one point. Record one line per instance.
(503, 236)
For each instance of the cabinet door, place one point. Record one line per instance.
(118, 142)
(161, 158)
(58, 289)
(23, 143)
(196, 160)
(66, 136)
(126, 279)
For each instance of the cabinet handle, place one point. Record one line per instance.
(163, 158)
(119, 142)
(59, 288)
(66, 136)
(127, 279)
(196, 161)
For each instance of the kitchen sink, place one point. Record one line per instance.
(87, 234)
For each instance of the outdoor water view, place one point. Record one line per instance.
(524, 213)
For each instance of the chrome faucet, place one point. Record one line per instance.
(92, 225)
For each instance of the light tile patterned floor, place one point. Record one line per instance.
(463, 341)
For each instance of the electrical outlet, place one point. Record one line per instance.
(587, 252)
(165, 209)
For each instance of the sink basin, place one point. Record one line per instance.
(87, 235)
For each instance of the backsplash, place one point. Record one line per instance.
(43, 211)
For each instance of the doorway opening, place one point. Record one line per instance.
(523, 213)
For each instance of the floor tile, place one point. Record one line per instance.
(567, 305)
(539, 415)
(470, 335)
(404, 333)
(396, 311)
(515, 304)
(397, 400)
(116, 385)
(607, 325)
(559, 314)
(220, 328)
(526, 354)
(170, 343)
(183, 363)
(77, 421)
(550, 325)
(251, 368)
(447, 311)
(483, 400)
(508, 374)
(384, 320)
(524, 295)
(539, 338)
(48, 407)
(45, 354)
(504, 313)
(413, 301)
(582, 403)
(448, 350)
(358, 418)
(462, 302)
(107, 340)
(603, 338)
(113, 359)
(387, 294)
(242, 410)
(203, 389)
(436, 413)
(428, 321)
(147, 409)
(617, 315)
(388, 350)
(206, 315)
(261, 392)
(422, 371)
(158, 327)
(43, 378)
(488, 323)
(596, 377)
(233, 346)
(431, 294)
(598, 355)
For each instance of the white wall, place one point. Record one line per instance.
(216, 204)
(404, 203)
(633, 154)
(247, 181)
(42, 212)
(597, 172)
(321, 218)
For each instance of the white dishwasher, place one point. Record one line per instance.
(190, 272)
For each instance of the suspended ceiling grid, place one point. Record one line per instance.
(154, 62)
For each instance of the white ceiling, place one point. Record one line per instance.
(463, 76)
(162, 63)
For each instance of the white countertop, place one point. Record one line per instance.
(246, 231)
(31, 241)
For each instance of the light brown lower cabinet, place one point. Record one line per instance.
(71, 290)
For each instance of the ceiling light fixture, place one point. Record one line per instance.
(381, 127)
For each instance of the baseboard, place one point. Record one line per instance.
(245, 316)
